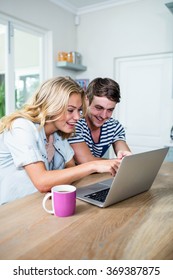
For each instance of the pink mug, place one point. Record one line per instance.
(63, 200)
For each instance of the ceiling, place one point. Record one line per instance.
(83, 6)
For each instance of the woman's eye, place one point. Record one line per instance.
(70, 110)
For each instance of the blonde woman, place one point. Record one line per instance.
(35, 153)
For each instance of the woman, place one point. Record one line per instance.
(35, 153)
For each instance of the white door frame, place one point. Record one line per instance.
(121, 77)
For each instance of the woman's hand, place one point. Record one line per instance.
(109, 165)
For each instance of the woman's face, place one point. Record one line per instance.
(68, 120)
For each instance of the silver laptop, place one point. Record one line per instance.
(135, 175)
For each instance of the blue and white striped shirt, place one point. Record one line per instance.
(111, 131)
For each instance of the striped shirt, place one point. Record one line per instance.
(111, 131)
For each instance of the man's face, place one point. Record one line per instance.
(100, 110)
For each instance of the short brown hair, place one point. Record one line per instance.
(103, 87)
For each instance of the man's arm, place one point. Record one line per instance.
(82, 153)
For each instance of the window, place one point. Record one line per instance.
(2, 70)
(25, 85)
(22, 63)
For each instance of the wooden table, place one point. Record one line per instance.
(138, 228)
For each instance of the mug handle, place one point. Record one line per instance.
(44, 203)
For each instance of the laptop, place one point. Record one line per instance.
(135, 175)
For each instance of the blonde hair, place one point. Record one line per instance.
(50, 100)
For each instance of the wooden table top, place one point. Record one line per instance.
(138, 228)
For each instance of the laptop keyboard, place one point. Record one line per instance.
(99, 196)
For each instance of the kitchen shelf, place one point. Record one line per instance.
(71, 66)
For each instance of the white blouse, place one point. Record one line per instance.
(25, 143)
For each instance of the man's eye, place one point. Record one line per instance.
(99, 108)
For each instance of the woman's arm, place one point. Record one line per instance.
(44, 180)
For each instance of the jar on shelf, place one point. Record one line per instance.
(70, 57)
(62, 56)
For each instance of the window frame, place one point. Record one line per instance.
(45, 68)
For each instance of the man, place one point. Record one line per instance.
(95, 133)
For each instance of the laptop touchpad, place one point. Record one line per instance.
(107, 182)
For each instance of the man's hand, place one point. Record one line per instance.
(122, 154)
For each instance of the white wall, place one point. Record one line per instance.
(142, 27)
